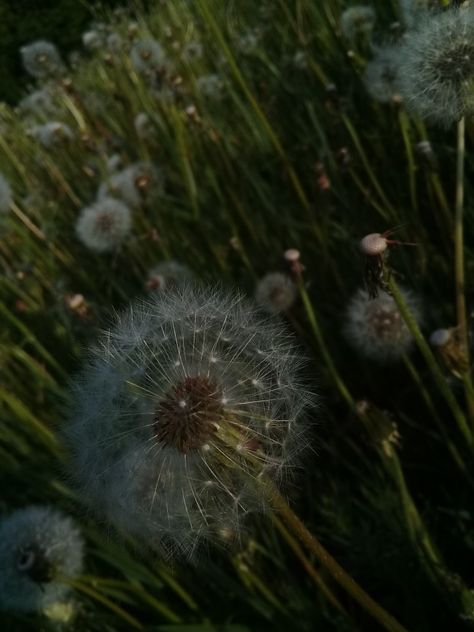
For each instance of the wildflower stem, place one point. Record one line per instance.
(432, 408)
(309, 568)
(343, 390)
(430, 359)
(337, 572)
(459, 257)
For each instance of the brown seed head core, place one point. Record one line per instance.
(187, 416)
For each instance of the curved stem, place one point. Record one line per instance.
(339, 574)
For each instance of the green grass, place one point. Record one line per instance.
(243, 184)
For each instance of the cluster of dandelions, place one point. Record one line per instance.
(188, 405)
(40, 549)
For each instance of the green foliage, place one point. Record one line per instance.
(291, 153)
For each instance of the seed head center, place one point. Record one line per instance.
(187, 416)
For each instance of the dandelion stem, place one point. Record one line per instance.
(459, 257)
(430, 360)
(337, 572)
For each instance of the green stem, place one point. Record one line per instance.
(338, 573)
(430, 360)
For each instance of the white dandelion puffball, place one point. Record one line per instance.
(381, 76)
(412, 11)
(192, 51)
(134, 184)
(51, 134)
(356, 21)
(168, 274)
(92, 40)
(376, 328)
(38, 103)
(144, 126)
(187, 405)
(104, 225)
(41, 59)
(147, 56)
(209, 86)
(38, 546)
(437, 66)
(275, 292)
(5, 195)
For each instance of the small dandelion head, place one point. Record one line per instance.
(373, 245)
(104, 225)
(41, 59)
(275, 293)
(437, 66)
(376, 328)
(135, 184)
(381, 76)
(210, 86)
(38, 103)
(357, 21)
(5, 195)
(52, 134)
(167, 275)
(144, 126)
(92, 40)
(192, 51)
(147, 56)
(38, 546)
(186, 404)
(440, 337)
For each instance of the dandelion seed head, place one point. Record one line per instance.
(38, 103)
(169, 430)
(147, 56)
(357, 21)
(275, 292)
(437, 66)
(375, 327)
(51, 134)
(37, 544)
(382, 75)
(144, 126)
(167, 275)
(412, 11)
(92, 40)
(192, 51)
(41, 59)
(210, 86)
(104, 225)
(134, 184)
(440, 337)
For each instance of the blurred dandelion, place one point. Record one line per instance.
(209, 86)
(134, 184)
(381, 76)
(275, 292)
(38, 103)
(92, 40)
(185, 403)
(357, 21)
(147, 56)
(144, 126)
(168, 274)
(375, 327)
(437, 66)
(41, 59)
(38, 546)
(104, 225)
(412, 11)
(52, 133)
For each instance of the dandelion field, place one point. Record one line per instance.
(290, 151)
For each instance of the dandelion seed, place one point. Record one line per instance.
(169, 432)
(275, 293)
(168, 274)
(381, 76)
(41, 59)
(37, 546)
(104, 225)
(5, 195)
(376, 328)
(437, 66)
(357, 21)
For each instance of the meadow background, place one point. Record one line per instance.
(283, 148)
